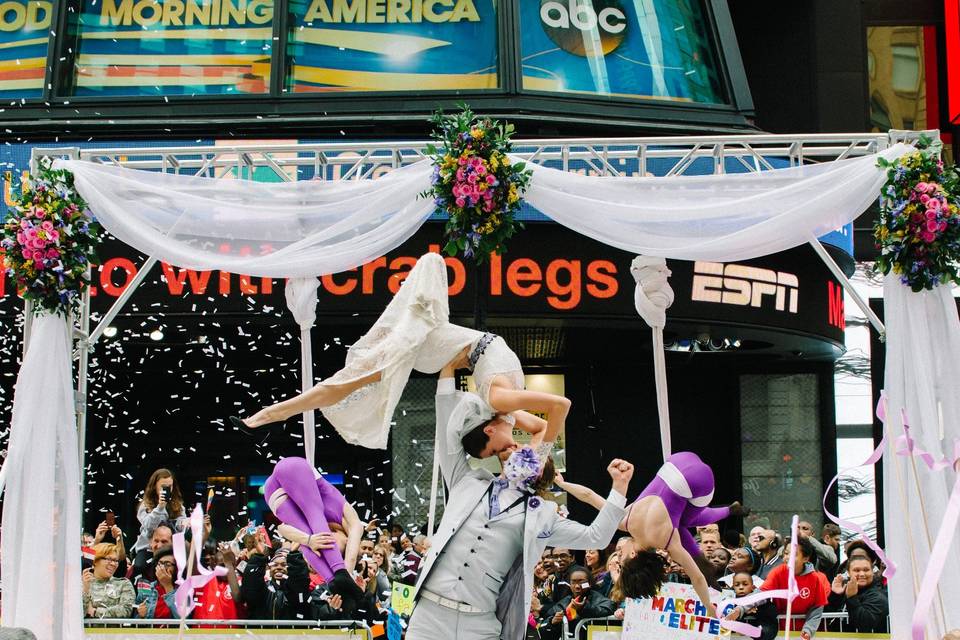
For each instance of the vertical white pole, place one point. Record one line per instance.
(306, 383)
(432, 515)
(660, 374)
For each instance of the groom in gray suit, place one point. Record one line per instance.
(477, 580)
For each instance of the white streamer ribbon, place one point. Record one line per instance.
(184, 594)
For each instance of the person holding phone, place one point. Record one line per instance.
(162, 503)
(109, 527)
(583, 602)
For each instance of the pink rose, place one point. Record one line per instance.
(924, 198)
(460, 174)
(932, 225)
(54, 235)
(491, 179)
(928, 237)
(21, 239)
(942, 226)
(52, 253)
(26, 254)
(461, 202)
(37, 256)
(462, 161)
(46, 225)
(24, 224)
(472, 178)
(37, 243)
(921, 186)
(934, 204)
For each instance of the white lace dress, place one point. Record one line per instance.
(413, 332)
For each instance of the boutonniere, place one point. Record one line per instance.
(535, 502)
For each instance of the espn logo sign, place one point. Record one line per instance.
(743, 286)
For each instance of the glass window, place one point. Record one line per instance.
(391, 45)
(172, 47)
(24, 32)
(898, 91)
(659, 49)
(780, 432)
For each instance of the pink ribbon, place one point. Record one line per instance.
(938, 557)
(184, 594)
(761, 596)
(907, 446)
(890, 568)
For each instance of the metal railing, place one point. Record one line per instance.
(350, 628)
(836, 621)
(664, 156)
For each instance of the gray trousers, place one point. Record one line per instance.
(430, 621)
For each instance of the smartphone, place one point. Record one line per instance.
(165, 491)
(111, 520)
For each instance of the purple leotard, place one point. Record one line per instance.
(311, 504)
(685, 485)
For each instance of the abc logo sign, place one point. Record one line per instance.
(584, 27)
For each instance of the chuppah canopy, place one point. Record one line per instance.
(307, 229)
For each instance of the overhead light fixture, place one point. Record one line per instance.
(156, 335)
(109, 332)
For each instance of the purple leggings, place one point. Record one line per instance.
(310, 504)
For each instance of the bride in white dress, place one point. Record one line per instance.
(414, 332)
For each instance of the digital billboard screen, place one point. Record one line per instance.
(24, 34)
(655, 49)
(391, 45)
(172, 47)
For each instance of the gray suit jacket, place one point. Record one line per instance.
(543, 525)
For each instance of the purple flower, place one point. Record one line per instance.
(534, 502)
(523, 467)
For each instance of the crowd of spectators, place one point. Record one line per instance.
(264, 577)
(830, 579)
(267, 578)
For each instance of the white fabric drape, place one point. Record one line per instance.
(301, 295)
(922, 378)
(312, 228)
(41, 504)
(722, 218)
(277, 230)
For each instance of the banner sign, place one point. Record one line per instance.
(24, 34)
(401, 599)
(659, 49)
(386, 45)
(675, 613)
(173, 47)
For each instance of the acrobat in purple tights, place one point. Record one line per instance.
(685, 485)
(303, 499)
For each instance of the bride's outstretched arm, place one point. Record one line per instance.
(506, 400)
(581, 493)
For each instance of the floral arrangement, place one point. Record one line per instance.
(49, 239)
(918, 230)
(523, 468)
(475, 182)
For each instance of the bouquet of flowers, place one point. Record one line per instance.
(48, 240)
(918, 230)
(475, 182)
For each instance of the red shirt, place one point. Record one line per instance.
(215, 602)
(161, 610)
(814, 591)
